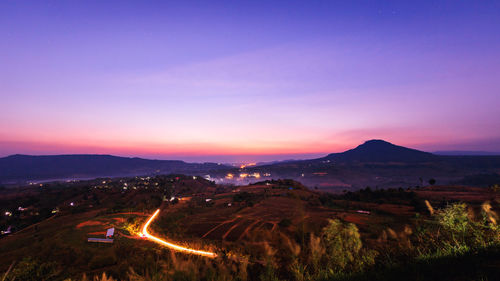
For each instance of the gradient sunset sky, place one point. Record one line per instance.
(247, 80)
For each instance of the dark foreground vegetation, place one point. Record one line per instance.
(273, 230)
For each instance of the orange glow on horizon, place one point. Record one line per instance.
(120, 147)
(172, 246)
(157, 149)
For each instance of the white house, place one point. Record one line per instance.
(110, 232)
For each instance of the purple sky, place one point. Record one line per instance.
(247, 81)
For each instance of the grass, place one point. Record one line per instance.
(453, 244)
(482, 264)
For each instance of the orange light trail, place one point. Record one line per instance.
(172, 246)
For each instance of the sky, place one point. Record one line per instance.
(247, 80)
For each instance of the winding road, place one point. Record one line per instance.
(170, 245)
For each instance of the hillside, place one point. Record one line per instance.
(394, 232)
(26, 167)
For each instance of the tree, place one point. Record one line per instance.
(344, 247)
(342, 242)
(432, 181)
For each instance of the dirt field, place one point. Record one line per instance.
(234, 223)
(459, 193)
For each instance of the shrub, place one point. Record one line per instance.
(454, 219)
(460, 231)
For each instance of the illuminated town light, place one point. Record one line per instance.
(256, 175)
(247, 165)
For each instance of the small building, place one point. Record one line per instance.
(110, 232)
(108, 239)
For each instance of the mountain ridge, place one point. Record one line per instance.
(374, 159)
(35, 167)
(377, 150)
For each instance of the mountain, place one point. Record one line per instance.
(27, 167)
(381, 151)
(378, 163)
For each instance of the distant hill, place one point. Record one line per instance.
(381, 151)
(373, 163)
(378, 163)
(27, 167)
